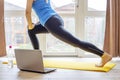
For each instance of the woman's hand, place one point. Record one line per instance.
(30, 27)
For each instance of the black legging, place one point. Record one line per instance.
(55, 25)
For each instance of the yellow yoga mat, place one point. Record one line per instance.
(75, 65)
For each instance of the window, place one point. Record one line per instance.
(16, 27)
(93, 18)
(15, 24)
(96, 5)
(83, 18)
(95, 22)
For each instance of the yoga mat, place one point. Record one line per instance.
(76, 65)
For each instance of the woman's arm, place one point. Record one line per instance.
(28, 13)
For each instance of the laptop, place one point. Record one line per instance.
(31, 60)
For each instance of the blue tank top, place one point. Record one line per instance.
(43, 10)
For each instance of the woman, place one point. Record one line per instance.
(51, 22)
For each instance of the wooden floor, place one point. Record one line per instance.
(61, 74)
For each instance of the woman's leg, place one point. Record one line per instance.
(55, 26)
(38, 28)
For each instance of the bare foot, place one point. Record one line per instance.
(104, 59)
